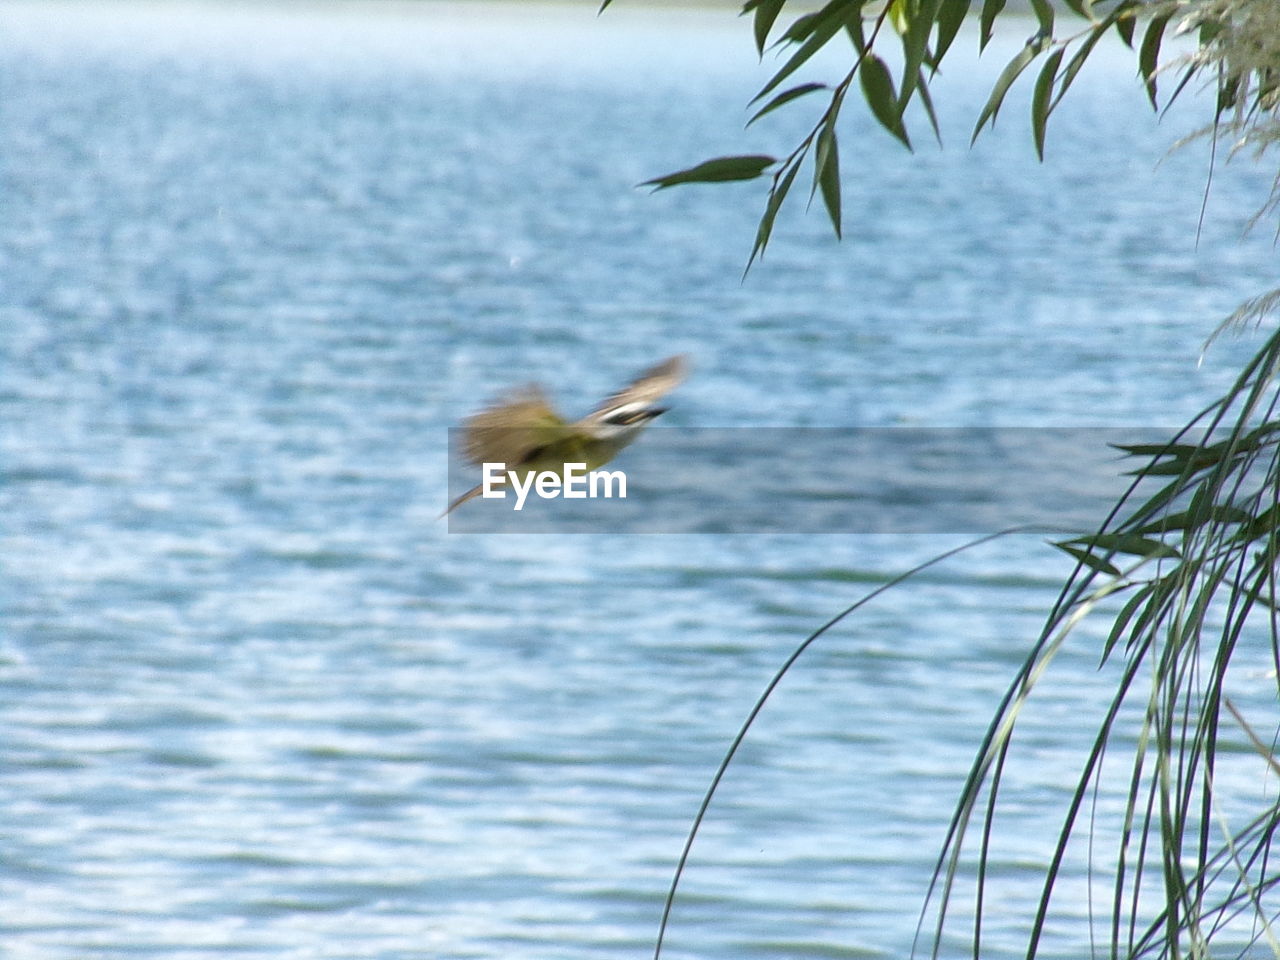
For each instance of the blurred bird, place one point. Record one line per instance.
(525, 433)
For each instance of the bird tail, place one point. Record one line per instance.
(473, 492)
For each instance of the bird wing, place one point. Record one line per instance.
(648, 386)
(512, 429)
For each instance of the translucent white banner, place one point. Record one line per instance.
(816, 480)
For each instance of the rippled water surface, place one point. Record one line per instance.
(256, 701)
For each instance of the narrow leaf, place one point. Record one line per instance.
(1149, 55)
(990, 10)
(801, 27)
(1152, 612)
(766, 14)
(950, 16)
(1122, 619)
(1209, 31)
(1180, 450)
(786, 97)
(826, 174)
(1228, 94)
(1158, 501)
(824, 25)
(1088, 559)
(856, 35)
(1078, 59)
(1173, 468)
(1190, 458)
(1263, 525)
(1040, 98)
(776, 195)
(718, 170)
(915, 48)
(1044, 14)
(927, 100)
(1125, 25)
(897, 15)
(839, 11)
(877, 88)
(1194, 519)
(1128, 543)
(1189, 72)
(1002, 85)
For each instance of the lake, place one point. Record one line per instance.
(256, 261)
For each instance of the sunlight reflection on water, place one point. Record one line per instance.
(257, 260)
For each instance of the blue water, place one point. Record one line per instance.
(255, 701)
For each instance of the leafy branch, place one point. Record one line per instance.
(1247, 81)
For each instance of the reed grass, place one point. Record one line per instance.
(1187, 575)
(1195, 563)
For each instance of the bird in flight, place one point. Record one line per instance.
(523, 432)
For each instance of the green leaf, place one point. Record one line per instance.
(800, 29)
(819, 28)
(950, 16)
(1077, 61)
(718, 170)
(1125, 26)
(1264, 524)
(839, 11)
(1182, 450)
(915, 47)
(1158, 501)
(1002, 85)
(766, 14)
(777, 194)
(1194, 519)
(1148, 55)
(927, 100)
(1153, 599)
(1126, 613)
(856, 35)
(1188, 72)
(1228, 94)
(1172, 468)
(990, 10)
(1044, 14)
(877, 88)
(786, 97)
(1088, 559)
(1041, 97)
(814, 30)
(897, 13)
(1127, 543)
(1182, 458)
(1209, 31)
(826, 173)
